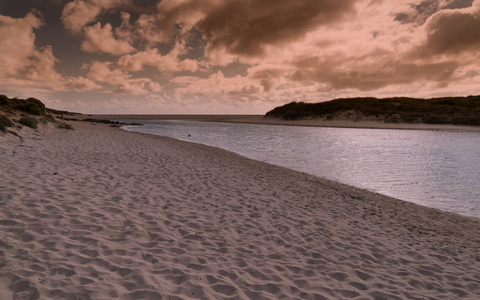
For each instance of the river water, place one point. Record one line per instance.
(439, 169)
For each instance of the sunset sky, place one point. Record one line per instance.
(234, 56)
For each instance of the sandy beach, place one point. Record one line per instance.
(102, 213)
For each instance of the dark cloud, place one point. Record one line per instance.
(267, 77)
(452, 33)
(419, 13)
(346, 73)
(458, 4)
(245, 27)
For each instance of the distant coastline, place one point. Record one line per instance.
(449, 113)
(262, 120)
(34, 108)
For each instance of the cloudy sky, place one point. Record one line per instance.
(234, 56)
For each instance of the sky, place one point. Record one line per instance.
(234, 56)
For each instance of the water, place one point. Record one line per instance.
(439, 169)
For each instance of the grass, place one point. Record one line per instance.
(448, 110)
(28, 121)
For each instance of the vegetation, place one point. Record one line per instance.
(5, 101)
(4, 123)
(448, 110)
(31, 122)
(60, 112)
(65, 126)
(28, 108)
(113, 123)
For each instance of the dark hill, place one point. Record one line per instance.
(449, 110)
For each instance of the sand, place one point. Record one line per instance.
(102, 213)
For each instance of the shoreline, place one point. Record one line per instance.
(261, 120)
(101, 212)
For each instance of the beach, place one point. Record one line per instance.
(101, 213)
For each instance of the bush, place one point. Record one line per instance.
(38, 103)
(4, 123)
(29, 122)
(5, 101)
(64, 126)
(31, 106)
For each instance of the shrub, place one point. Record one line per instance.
(64, 126)
(4, 123)
(5, 101)
(38, 103)
(29, 122)
(31, 105)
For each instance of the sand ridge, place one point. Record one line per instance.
(101, 213)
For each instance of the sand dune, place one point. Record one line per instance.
(101, 213)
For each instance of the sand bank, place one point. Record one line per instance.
(259, 119)
(101, 213)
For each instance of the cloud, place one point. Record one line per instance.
(80, 84)
(452, 32)
(260, 82)
(419, 13)
(79, 13)
(246, 27)
(24, 66)
(78, 16)
(18, 41)
(320, 60)
(122, 82)
(101, 39)
(454, 4)
(217, 85)
(387, 53)
(343, 72)
(180, 16)
(163, 63)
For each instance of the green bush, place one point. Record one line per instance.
(4, 123)
(29, 122)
